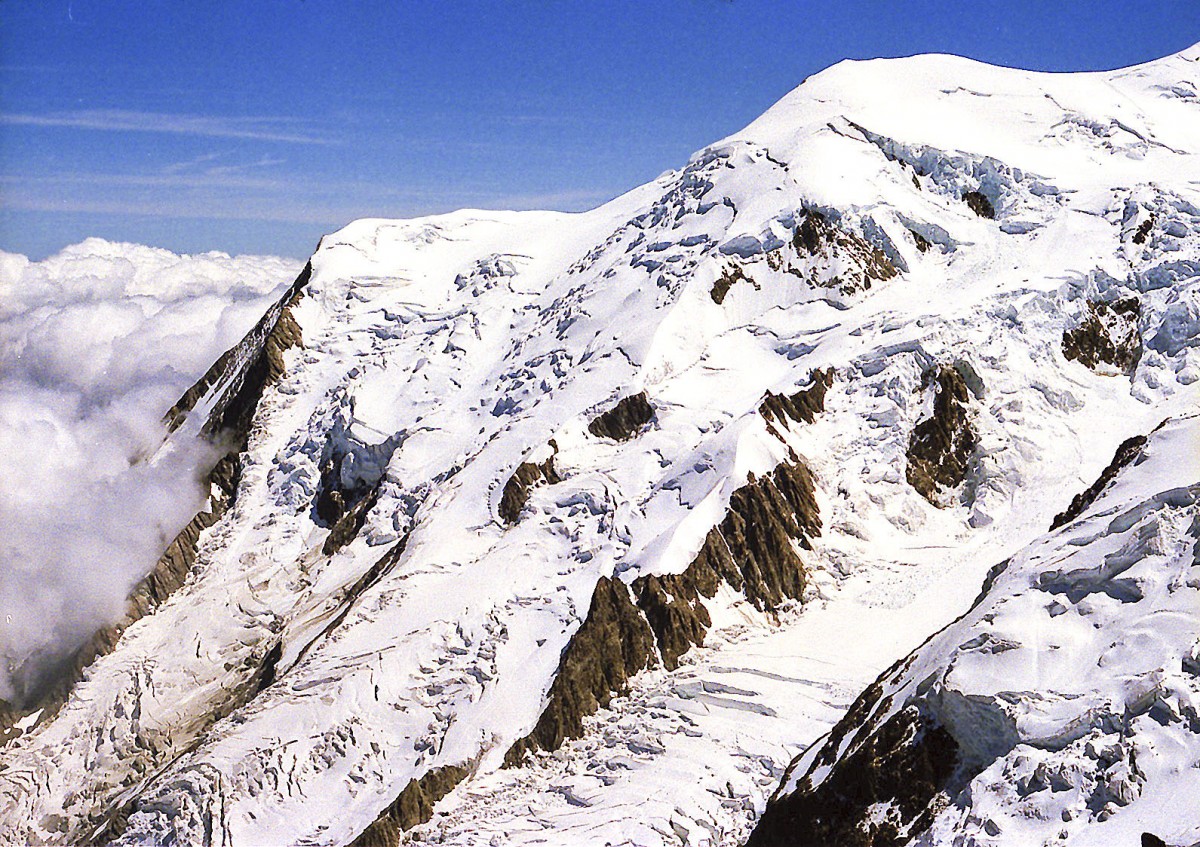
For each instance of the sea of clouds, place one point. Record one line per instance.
(96, 343)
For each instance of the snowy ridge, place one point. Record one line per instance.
(293, 687)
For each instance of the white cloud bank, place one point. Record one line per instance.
(96, 343)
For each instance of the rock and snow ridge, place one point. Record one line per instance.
(369, 642)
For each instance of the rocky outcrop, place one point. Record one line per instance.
(886, 787)
(1108, 335)
(823, 255)
(1128, 450)
(861, 265)
(613, 643)
(346, 524)
(1143, 231)
(978, 203)
(243, 372)
(725, 281)
(524, 479)
(624, 420)
(941, 446)
(414, 806)
(803, 406)
(753, 550)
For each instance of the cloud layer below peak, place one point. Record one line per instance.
(96, 342)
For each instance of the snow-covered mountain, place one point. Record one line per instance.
(601, 528)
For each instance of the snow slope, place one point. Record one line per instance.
(364, 623)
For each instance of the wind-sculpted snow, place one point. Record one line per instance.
(427, 506)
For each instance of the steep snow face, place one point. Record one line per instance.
(367, 616)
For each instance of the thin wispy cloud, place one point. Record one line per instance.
(190, 164)
(216, 165)
(126, 120)
(237, 196)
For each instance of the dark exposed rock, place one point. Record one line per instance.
(1149, 839)
(812, 233)
(803, 406)
(524, 478)
(862, 264)
(815, 235)
(672, 604)
(8, 717)
(725, 281)
(1108, 334)
(624, 420)
(1129, 450)
(352, 474)
(248, 368)
(348, 524)
(921, 241)
(612, 645)
(752, 549)
(978, 203)
(941, 446)
(904, 765)
(414, 806)
(266, 676)
(1143, 231)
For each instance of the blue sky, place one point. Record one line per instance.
(257, 126)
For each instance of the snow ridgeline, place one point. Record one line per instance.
(369, 635)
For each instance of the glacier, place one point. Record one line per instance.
(881, 338)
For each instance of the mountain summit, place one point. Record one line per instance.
(854, 463)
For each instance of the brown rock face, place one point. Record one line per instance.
(803, 406)
(941, 446)
(978, 203)
(624, 420)
(524, 479)
(1109, 335)
(1129, 450)
(347, 525)
(816, 236)
(725, 281)
(612, 645)
(752, 549)
(904, 765)
(1143, 231)
(414, 806)
(254, 363)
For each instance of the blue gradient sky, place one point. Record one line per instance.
(257, 126)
